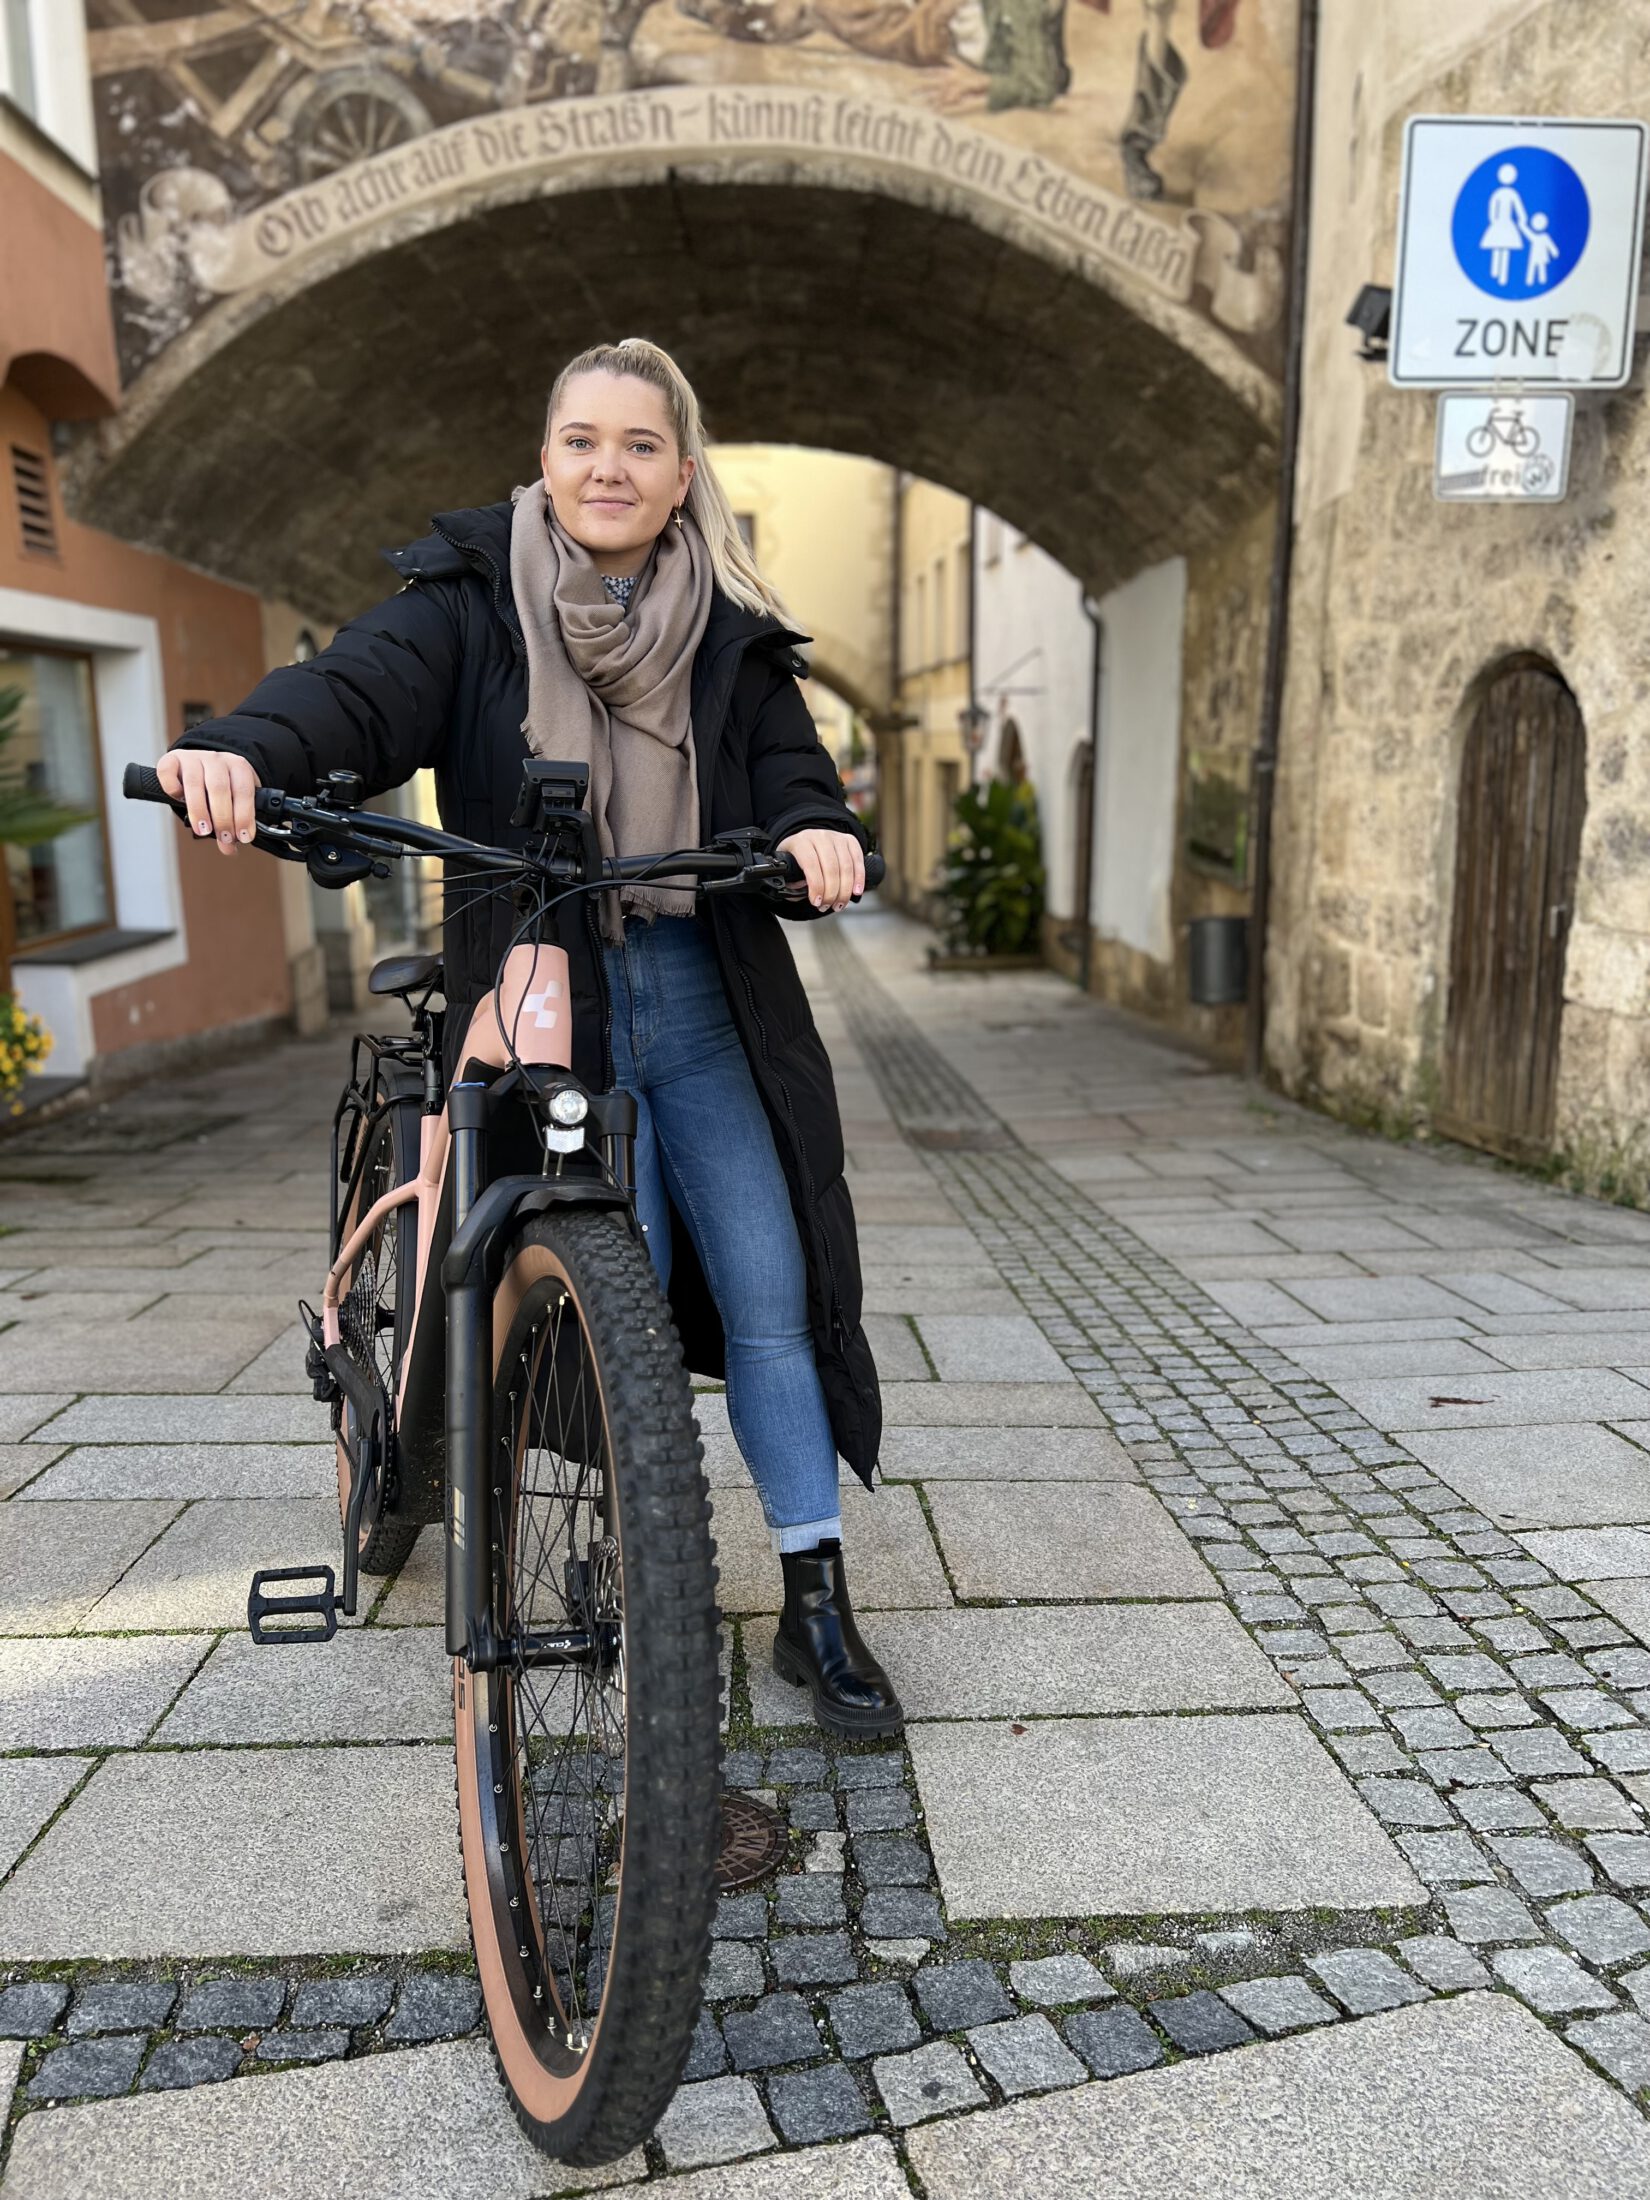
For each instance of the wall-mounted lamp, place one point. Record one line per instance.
(1371, 316)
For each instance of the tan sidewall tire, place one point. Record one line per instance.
(541, 2094)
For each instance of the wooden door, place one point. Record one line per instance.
(1523, 790)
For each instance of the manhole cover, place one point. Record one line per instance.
(963, 1137)
(753, 1842)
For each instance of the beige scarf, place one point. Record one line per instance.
(610, 687)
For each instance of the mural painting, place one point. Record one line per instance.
(236, 136)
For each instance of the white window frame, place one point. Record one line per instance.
(61, 65)
(129, 684)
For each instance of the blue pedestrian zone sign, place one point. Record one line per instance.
(1521, 223)
(1519, 242)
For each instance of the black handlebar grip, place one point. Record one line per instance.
(140, 784)
(875, 870)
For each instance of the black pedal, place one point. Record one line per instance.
(323, 1604)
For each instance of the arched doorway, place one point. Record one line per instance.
(1518, 841)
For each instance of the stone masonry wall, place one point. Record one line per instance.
(1400, 604)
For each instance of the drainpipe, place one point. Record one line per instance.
(896, 643)
(1091, 612)
(973, 605)
(1264, 762)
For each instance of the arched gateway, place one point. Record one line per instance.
(1034, 256)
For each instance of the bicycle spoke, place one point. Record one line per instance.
(562, 1570)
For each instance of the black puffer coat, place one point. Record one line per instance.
(436, 676)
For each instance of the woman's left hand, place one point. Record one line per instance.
(833, 865)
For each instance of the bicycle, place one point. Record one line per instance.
(537, 1403)
(1503, 424)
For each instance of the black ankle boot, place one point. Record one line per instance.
(819, 1647)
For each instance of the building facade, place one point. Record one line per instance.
(1055, 294)
(924, 759)
(129, 944)
(1460, 932)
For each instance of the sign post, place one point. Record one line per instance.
(1518, 252)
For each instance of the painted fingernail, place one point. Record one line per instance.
(203, 828)
(226, 838)
(246, 832)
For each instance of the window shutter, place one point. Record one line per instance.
(32, 482)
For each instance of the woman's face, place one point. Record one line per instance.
(612, 469)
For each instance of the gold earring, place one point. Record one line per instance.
(676, 515)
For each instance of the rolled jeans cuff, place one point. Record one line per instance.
(807, 1533)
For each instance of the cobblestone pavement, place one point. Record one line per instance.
(1264, 1557)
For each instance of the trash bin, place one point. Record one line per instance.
(1219, 958)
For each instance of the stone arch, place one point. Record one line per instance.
(327, 408)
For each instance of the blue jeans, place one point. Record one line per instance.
(704, 1145)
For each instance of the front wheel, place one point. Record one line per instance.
(588, 1777)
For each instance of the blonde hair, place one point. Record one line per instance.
(735, 570)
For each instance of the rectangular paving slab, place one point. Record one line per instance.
(1581, 1554)
(894, 1345)
(1140, 1816)
(67, 1692)
(188, 1420)
(418, 1594)
(1004, 1455)
(20, 1463)
(991, 1348)
(989, 1405)
(23, 1412)
(1627, 1602)
(1467, 2096)
(198, 1573)
(144, 1354)
(892, 1563)
(31, 1788)
(246, 1852)
(1562, 1474)
(374, 1685)
(56, 1561)
(1623, 1348)
(1100, 1540)
(1495, 1400)
(407, 2126)
(279, 1368)
(1444, 1356)
(191, 1470)
(1044, 1660)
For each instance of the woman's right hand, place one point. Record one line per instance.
(216, 788)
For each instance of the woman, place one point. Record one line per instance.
(610, 612)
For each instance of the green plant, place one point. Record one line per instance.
(27, 817)
(24, 1044)
(993, 884)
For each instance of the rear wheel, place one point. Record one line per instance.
(374, 1317)
(588, 1780)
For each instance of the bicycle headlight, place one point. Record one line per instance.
(568, 1107)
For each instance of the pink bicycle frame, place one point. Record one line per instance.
(526, 1018)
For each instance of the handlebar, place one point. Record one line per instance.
(371, 834)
